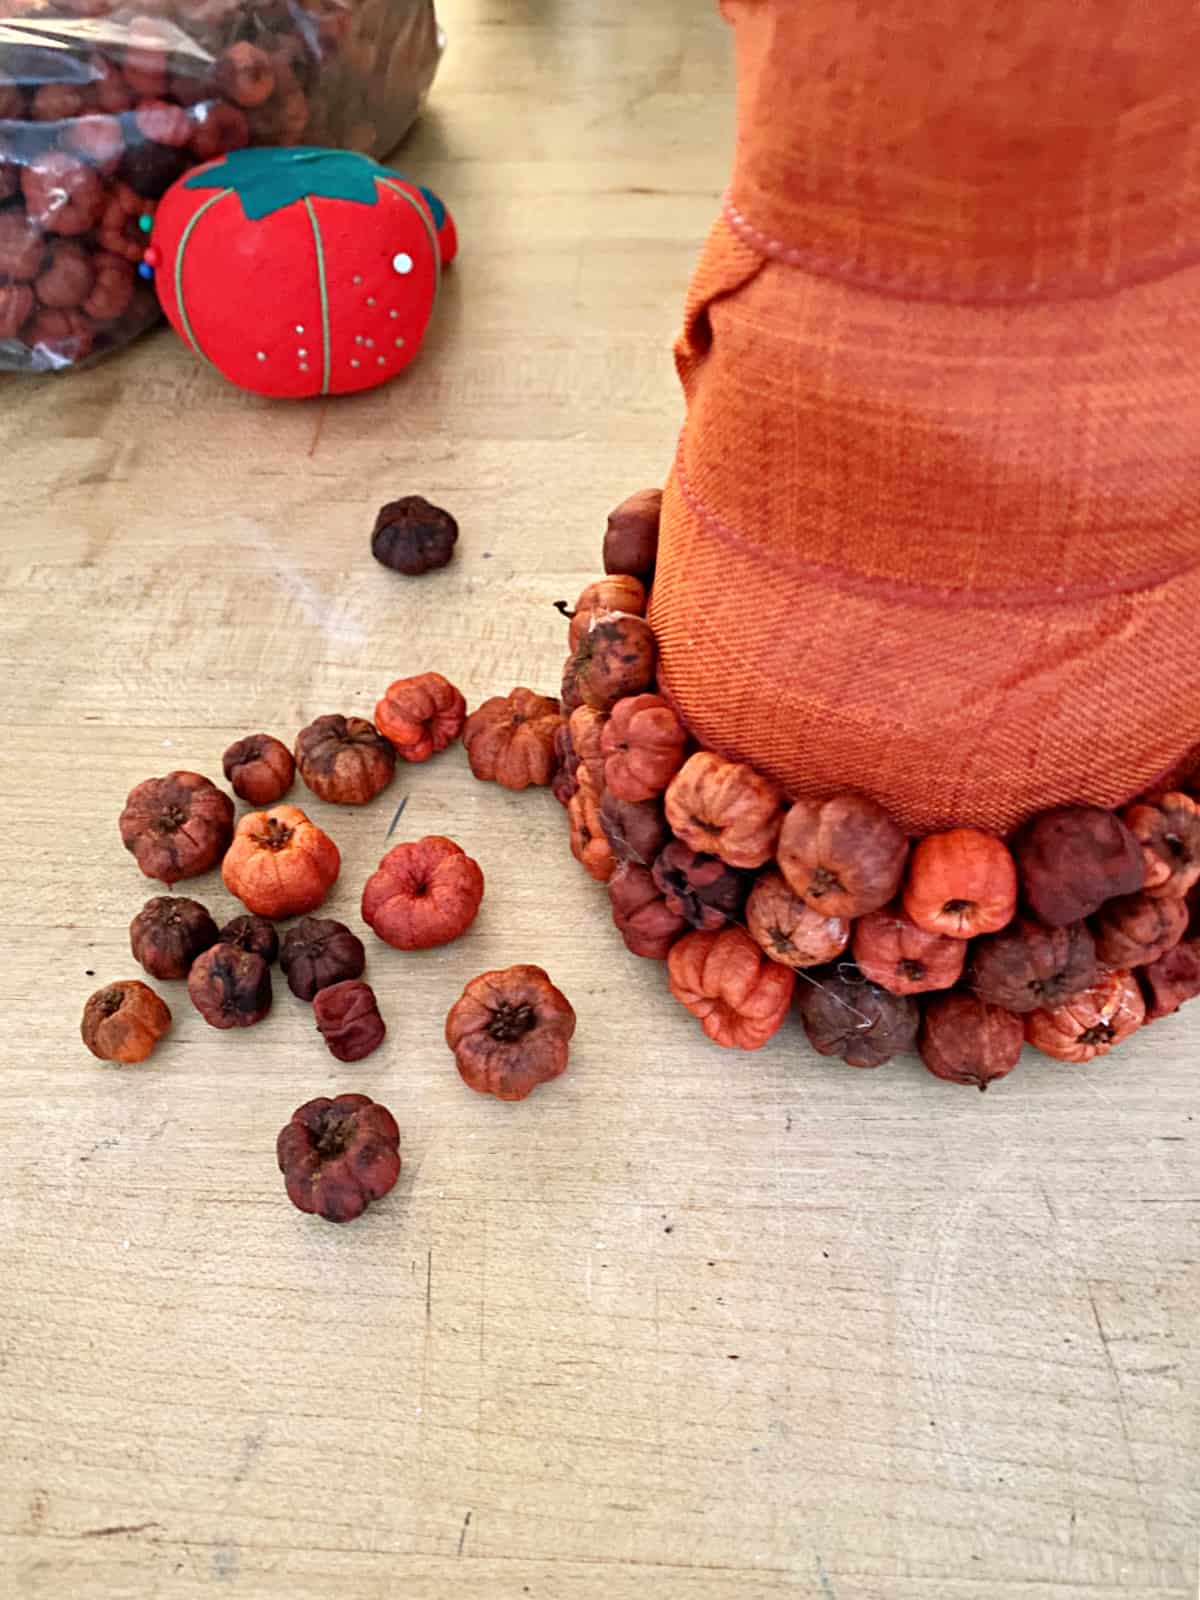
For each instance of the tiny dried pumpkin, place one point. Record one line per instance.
(617, 593)
(643, 744)
(586, 727)
(510, 739)
(789, 930)
(847, 1016)
(643, 918)
(1028, 967)
(589, 845)
(724, 979)
(1072, 859)
(260, 769)
(1168, 831)
(636, 830)
(347, 1017)
(965, 1040)
(726, 809)
(631, 537)
(423, 894)
(616, 656)
(565, 783)
(230, 987)
(700, 888)
(421, 716)
(1136, 929)
(344, 760)
(962, 883)
(318, 952)
(1091, 1024)
(168, 933)
(844, 856)
(510, 1030)
(124, 1021)
(1171, 980)
(178, 826)
(280, 864)
(337, 1156)
(893, 952)
(251, 933)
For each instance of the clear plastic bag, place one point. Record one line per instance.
(102, 107)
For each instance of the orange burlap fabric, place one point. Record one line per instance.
(933, 530)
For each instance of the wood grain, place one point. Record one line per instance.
(685, 1323)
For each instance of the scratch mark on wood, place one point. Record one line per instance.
(396, 818)
(462, 1538)
(118, 1527)
(429, 1284)
(827, 1588)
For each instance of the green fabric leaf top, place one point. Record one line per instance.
(267, 180)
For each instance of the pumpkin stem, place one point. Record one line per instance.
(511, 1022)
(957, 908)
(1099, 1033)
(561, 605)
(822, 881)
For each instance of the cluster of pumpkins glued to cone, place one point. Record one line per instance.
(1069, 936)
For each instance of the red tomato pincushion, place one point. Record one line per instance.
(300, 272)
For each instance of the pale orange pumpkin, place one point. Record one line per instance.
(961, 884)
(280, 864)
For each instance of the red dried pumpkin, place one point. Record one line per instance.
(589, 845)
(844, 856)
(615, 593)
(1091, 1024)
(643, 744)
(1168, 831)
(423, 894)
(724, 808)
(644, 919)
(961, 884)
(790, 931)
(903, 959)
(420, 716)
(510, 739)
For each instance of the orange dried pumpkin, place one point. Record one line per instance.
(280, 864)
(843, 856)
(615, 593)
(344, 760)
(644, 919)
(589, 843)
(617, 656)
(643, 745)
(1091, 1024)
(725, 809)
(724, 979)
(423, 894)
(586, 726)
(510, 739)
(510, 1031)
(961, 884)
(420, 716)
(1136, 930)
(790, 931)
(903, 959)
(1168, 831)
(124, 1021)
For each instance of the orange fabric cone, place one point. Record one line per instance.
(933, 529)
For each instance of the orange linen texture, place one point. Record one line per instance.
(933, 529)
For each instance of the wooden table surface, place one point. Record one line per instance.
(686, 1323)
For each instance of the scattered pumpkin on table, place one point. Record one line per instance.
(253, 933)
(844, 856)
(260, 769)
(344, 760)
(893, 952)
(348, 1019)
(961, 884)
(789, 930)
(413, 537)
(178, 826)
(1092, 1023)
(510, 739)
(420, 716)
(725, 980)
(230, 987)
(168, 933)
(966, 1040)
(725, 809)
(643, 745)
(318, 952)
(510, 1030)
(337, 1156)
(280, 864)
(124, 1021)
(423, 894)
